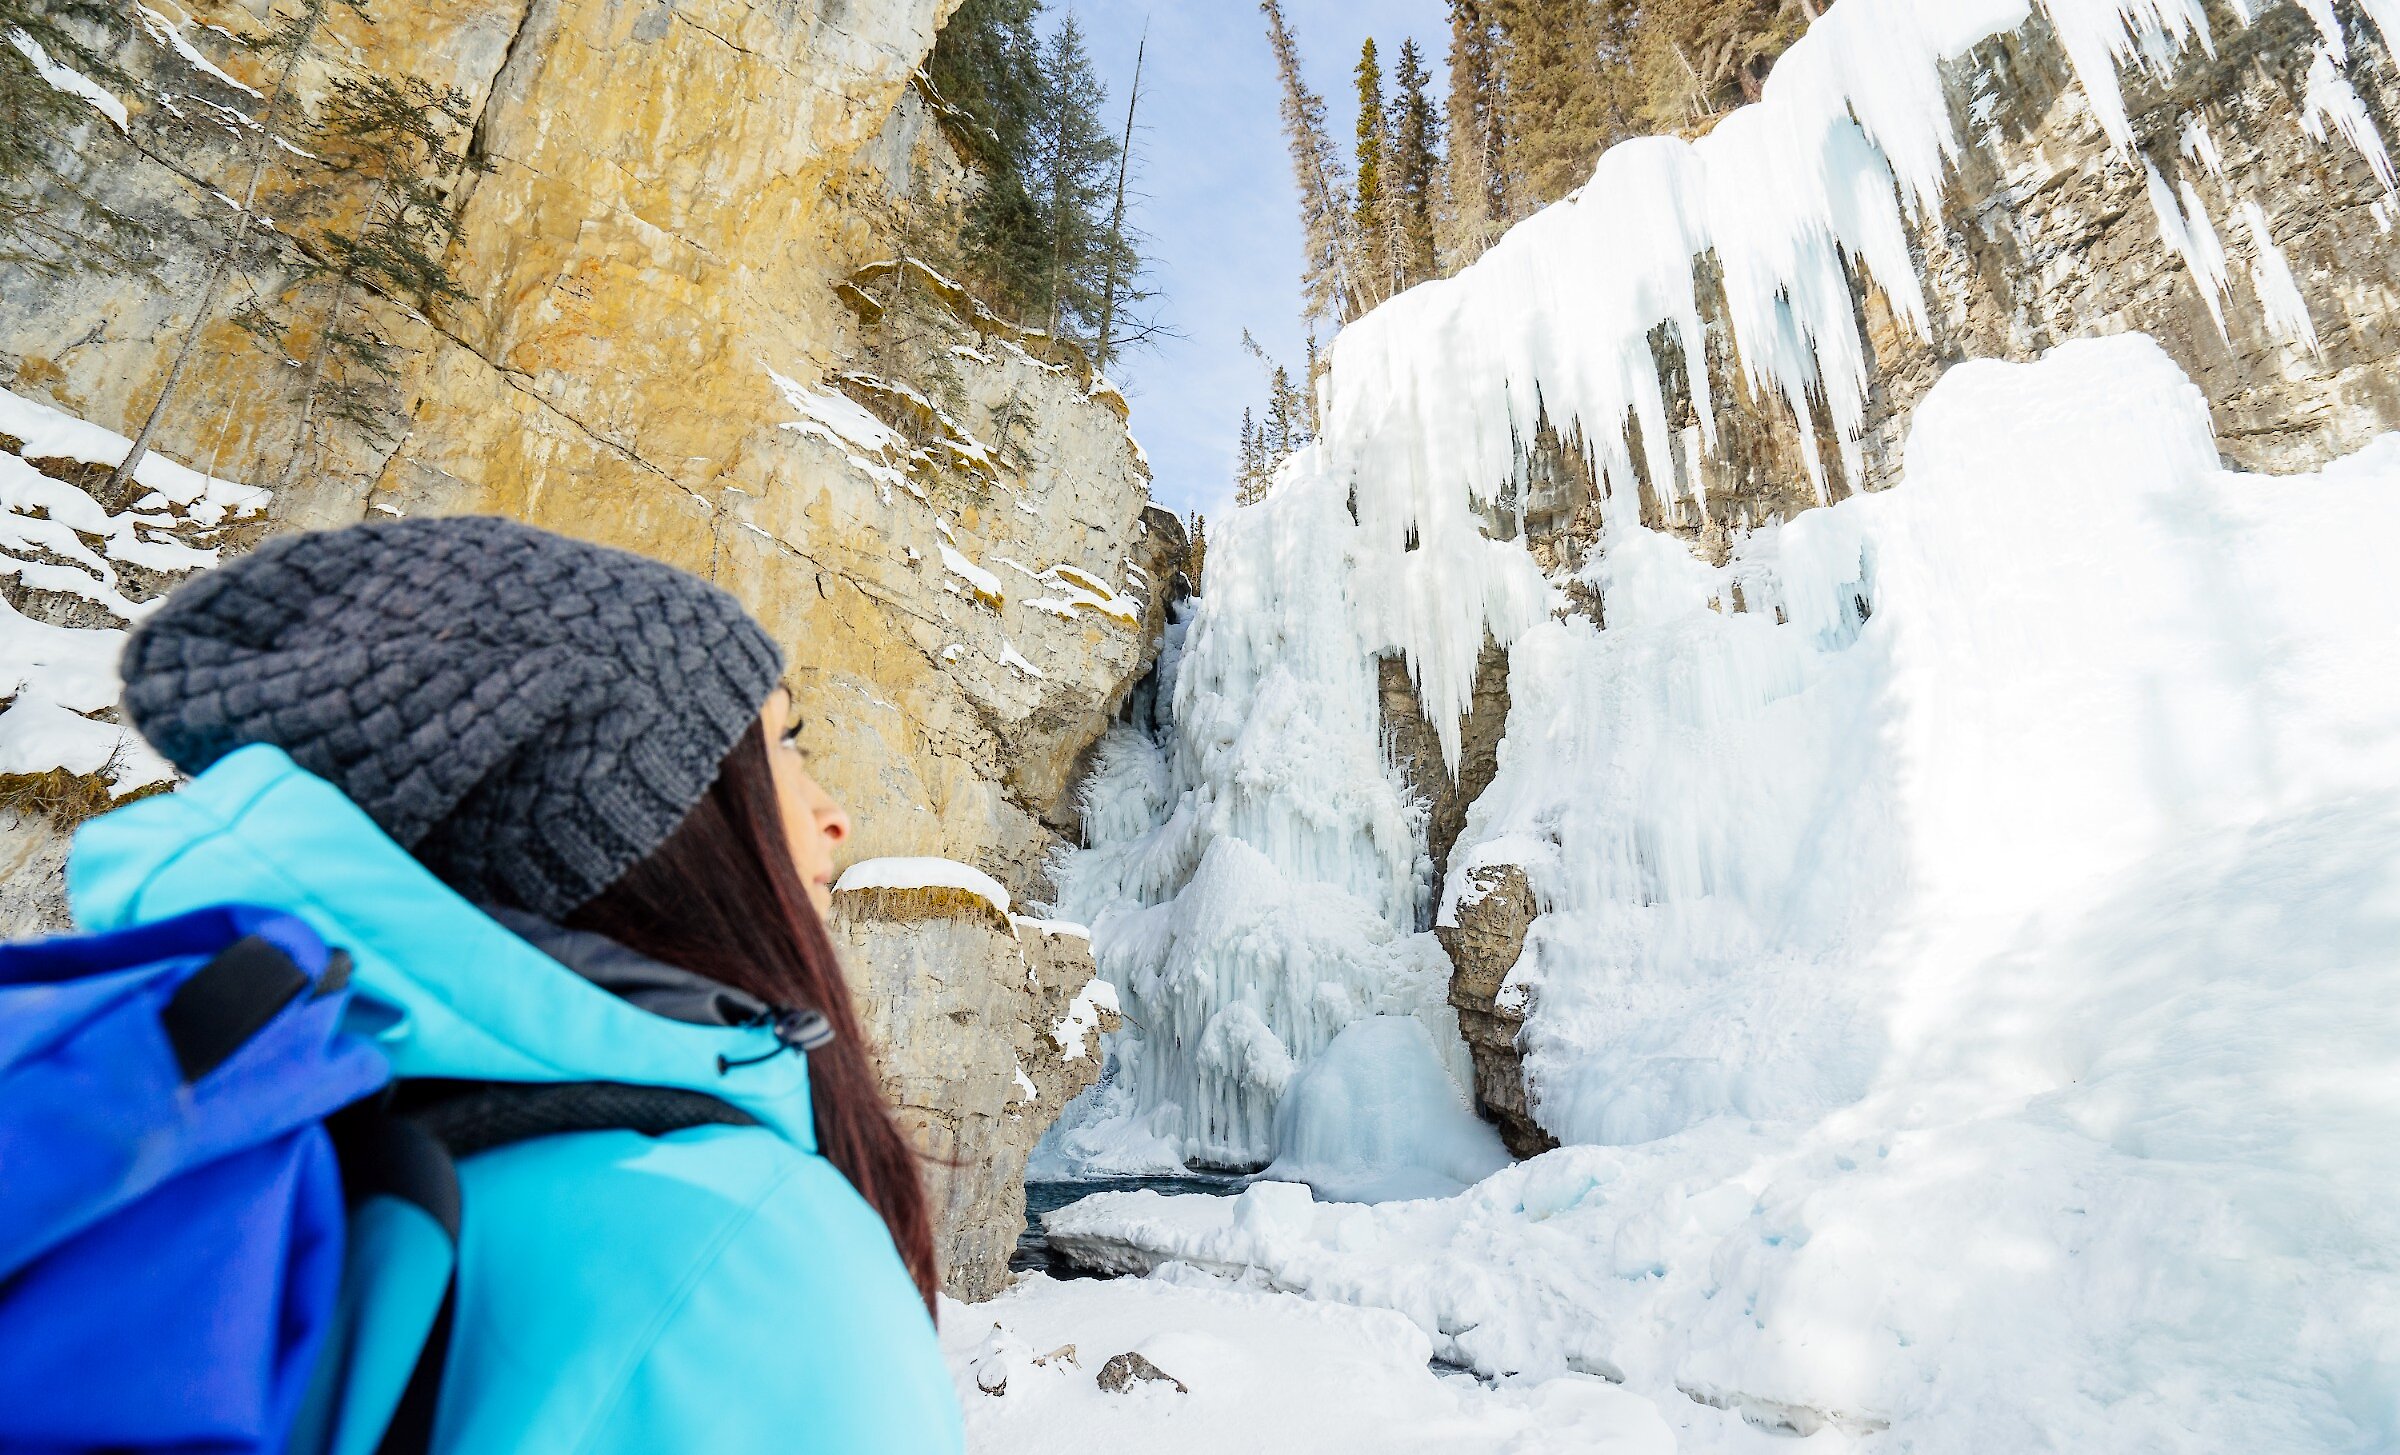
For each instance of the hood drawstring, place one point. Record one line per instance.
(795, 1030)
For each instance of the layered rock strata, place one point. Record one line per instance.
(676, 261)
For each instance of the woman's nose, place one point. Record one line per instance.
(834, 821)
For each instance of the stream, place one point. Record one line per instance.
(1033, 1253)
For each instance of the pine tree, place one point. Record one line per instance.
(1417, 145)
(1478, 194)
(1372, 212)
(1333, 280)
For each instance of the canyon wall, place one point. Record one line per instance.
(679, 331)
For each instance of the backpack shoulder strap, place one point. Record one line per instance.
(409, 1148)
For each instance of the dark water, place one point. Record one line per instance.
(1033, 1253)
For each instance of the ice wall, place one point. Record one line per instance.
(1256, 874)
(1431, 398)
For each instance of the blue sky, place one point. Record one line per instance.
(1218, 204)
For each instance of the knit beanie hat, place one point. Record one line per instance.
(527, 714)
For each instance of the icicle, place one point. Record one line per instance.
(2331, 98)
(2201, 146)
(2278, 291)
(2100, 35)
(2208, 272)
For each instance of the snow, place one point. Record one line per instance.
(1073, 1033)
(55, 538)
(1052, 927)
(1962, 974)
(1014, 660)
(986, 585)
(68, 81)
(51, 434)
(872, 447)
(1080, 591)
(1264, 1372)
(923, 873)
(169, 34)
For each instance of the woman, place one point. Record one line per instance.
(548, 797)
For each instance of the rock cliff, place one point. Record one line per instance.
(682, 331)
(2046, 232)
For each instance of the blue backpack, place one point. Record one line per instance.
(172, 1205)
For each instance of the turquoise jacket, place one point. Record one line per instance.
(722, 1289)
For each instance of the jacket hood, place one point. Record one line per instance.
(442, 988)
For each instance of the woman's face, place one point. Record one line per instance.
(811, 818)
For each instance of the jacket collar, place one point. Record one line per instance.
(441, 986)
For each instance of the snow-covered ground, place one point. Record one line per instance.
(57, 538)
(1260, 1371)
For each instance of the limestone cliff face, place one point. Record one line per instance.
(2045, 234)
(946, 527)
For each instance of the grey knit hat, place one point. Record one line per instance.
(529, 715)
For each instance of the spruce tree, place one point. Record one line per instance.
(1372, 213)
(1567, 90)
(1256, 472)
(987, 63)
(1119, 288)
(1282, 432)
(1416, 166)
(1045, 234)
(1333, 281)
(1074, 162)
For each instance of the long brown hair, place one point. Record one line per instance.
(722, 897)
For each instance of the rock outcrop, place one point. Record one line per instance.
(980, 1063)
(678, 278)
(1496, 910)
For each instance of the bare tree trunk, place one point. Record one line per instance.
(120, 479)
